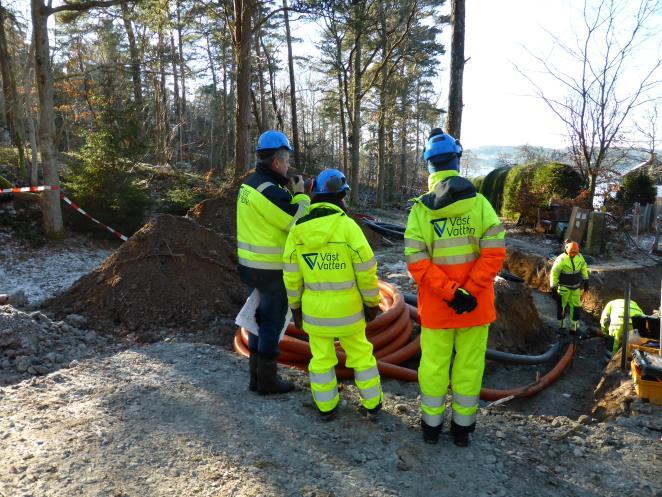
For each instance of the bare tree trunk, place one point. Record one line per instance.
(356, 110)
(244, 10)
(261, 84)
(272, 85)
(211, 67)
(404, 176)
(135, 59)
(381, 137)
(341, 111)
(178, 104)
(454, 118)
(293, 95)
(34, 160)
(51, 206)
(164, 97)
(12, 110)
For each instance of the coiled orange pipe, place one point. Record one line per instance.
(390, 334)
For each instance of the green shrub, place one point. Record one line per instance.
(492, 186)
(104, 185)
(555, 180)
(478, 182)
(637, 187)
(179, 200)
(517, 192)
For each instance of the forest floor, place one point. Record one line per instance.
(92, 414)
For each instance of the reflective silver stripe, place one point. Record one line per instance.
(455, 259)
(327, 377)
(294, 293)
(299, 213)
(260, 265)
(417, 244)
(364, 266)
(373, 292)
(293, 268)
(411, 258)
(494, 230)
(492, 243)
(333, 321)
(370, 393)
(463, 419)
(455, 242)
(465, 400)
(432, 419)
(367, 374)
(264, 186)
(260, 249)
(340, 285)
(433, 401)
(325, 396)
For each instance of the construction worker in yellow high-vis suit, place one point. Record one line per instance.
(330, 275)
(612, 321)
(568, 275)
(454, 247)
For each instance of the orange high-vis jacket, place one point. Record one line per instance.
(453, 239)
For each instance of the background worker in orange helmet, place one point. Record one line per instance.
(569, 274)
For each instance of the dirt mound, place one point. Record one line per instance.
(533, 268)
(218, 214)
(172, 273)
(518, 327)
(614, 391)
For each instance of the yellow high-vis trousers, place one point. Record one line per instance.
(321, 367)
(570, 299)
(466, 377)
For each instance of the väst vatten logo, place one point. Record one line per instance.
(453, 226)
(323, 261)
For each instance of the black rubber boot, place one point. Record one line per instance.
(267, 377)
(252, 370)
(461, 434)
(328, 415)
(371, 414)
(430, 433)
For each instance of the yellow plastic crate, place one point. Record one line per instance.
(647, 390)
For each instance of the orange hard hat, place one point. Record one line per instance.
(572, 248)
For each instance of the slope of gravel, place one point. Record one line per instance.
(175, 419)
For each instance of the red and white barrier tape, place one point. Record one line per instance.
(74, 206)
(68, 201)
(29, 189)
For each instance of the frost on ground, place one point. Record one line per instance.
(45, 271)
(176, 419)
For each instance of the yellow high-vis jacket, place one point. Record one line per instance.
(330, 272)
(568, 271)
(265, 214)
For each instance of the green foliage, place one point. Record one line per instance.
(179, 200)
(492, 186)
(555, 180)
(478, 182)
(104, 185)
(637, 187)
(530, 187)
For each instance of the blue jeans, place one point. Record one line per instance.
(270, 318)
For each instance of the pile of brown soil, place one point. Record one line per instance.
(614, 391)
(219, 213)
(518, 327)
(533, 268)
(172, 273)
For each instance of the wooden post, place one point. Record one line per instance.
(626, 329)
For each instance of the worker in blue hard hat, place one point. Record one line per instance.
(266, 211)
(331, 278)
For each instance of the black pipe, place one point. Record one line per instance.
(497, 355)
(384, 231)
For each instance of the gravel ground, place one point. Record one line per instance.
(175, 419)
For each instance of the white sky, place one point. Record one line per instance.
(499, 108)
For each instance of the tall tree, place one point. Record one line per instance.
(455, 104)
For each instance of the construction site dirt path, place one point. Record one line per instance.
(175, 419)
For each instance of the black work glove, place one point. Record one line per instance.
(585, 285)
(297, 315)
(555, 293)
(463, 301)
(370, 312)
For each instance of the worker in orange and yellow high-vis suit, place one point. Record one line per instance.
(454, 247)
(330, 274)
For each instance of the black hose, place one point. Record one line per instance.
(497, 355)
(384, 231)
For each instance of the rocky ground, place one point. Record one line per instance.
(85, 413)
(175, 419)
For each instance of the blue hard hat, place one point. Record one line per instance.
(273, 140)
(330, 181)
(441, 147)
